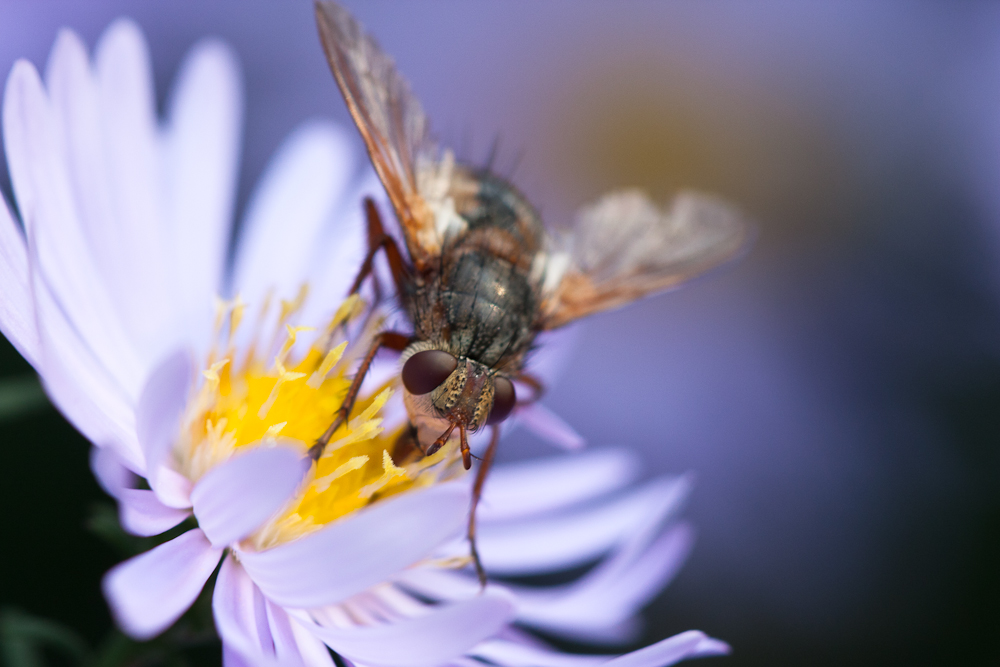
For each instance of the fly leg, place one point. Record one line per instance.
(390, 339)
(378, 239)
(477, 492)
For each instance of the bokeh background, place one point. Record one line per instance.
(837, 392)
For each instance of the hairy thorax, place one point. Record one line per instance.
(479, 304)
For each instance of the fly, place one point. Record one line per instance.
(478, 275)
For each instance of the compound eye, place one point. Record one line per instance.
(503, 400)
(425, 371)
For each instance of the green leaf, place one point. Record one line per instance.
(20, 396)
(23, 636)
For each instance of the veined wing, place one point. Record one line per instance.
(391, 121)
(623, 247)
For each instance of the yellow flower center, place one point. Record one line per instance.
(245, 402)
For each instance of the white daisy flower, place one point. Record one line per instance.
(110, 291)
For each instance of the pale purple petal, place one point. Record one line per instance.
(81, 109)
(111, 472)
(343, 244)
(293, 201)
(88, 366)
(669, 651)
(149, 592)
(710, 646)
(516, 654)
(172, 488)
(598, 607)
(255, 630)
(240, 616)
(37, 156)
(313, 651)
(133, 243)
(444, 632)
(161, 405)
(541, 485)
(554, 350)
(230, 658)
(436, 583)
(293, 644)
(202, 143)
(567, 540)
(232, 499)
(142, 513)
(77, 382)
(360, 550)
(17, 312)
(550, 427)
(688, 644)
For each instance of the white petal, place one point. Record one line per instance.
(17, 312)
(293, 644)
(296, 197)
(360, 550)
(688, 644)
(343, 244)
(512, 654)
(232, 499)
(79, 112)
(202, 143)
(160, 406)
(111, 472)
(538, 486)
(550, 427)
(149, 592)
(40, 176)
(557, 542)
(313, 651)
(438, 584)
(132, 242)
(141, 513)
(78, 384)
(443, 633)
(240, 616)
(608, 596)
(172, 488)
(255, 630)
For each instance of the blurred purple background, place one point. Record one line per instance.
(837, 393)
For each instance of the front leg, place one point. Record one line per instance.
(379, 239)
(390, 339)
(477, 492)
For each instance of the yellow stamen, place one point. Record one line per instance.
(236, 316)
(323, 483)
(245, 402)
(390, 473)
(275, 429)
(293, 333)
(212, 373)
(283, 377)
(329, 361)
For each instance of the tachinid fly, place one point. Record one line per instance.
(479, 277)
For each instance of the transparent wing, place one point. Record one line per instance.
(390, 119)
(624, 247)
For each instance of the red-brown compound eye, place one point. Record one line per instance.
(425, 371)
(503, 400)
